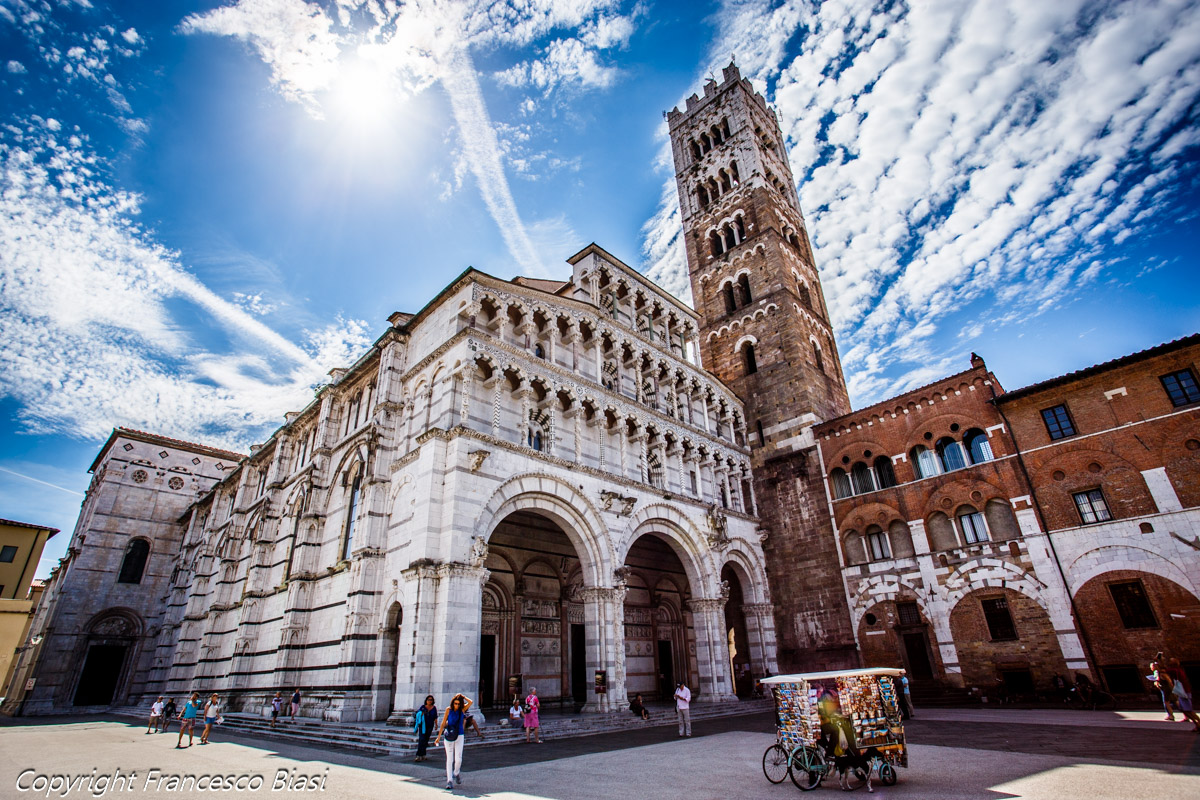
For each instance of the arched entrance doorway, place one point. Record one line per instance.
(106, 657)
(738, 639)
(532, 631)
(660, 642)
(389, 659)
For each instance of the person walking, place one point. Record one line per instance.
(156, 711)
(1183, 698)
(1157, 668)
(908, 706)
(295, 704)
(531, 711)
(683, 706)
(168, 714)
(187, 719)
(424, 722)
(276, 707)
(453, 731)
(212, 715)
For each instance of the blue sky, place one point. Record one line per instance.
(206, 206)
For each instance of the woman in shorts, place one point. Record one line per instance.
(212, 713)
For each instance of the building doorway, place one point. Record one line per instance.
(741, 680)
(666, 671)
(916, 650)
(487, 670)
(579, 676)
(101, 673)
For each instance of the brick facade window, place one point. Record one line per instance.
(977, 445)
(885, 476)
(877, 544)
(1058, 422)
(1181, 387)
(751, 362)
(1133, 605)
(841, 484)
(974, 529)
(908, 613)
(999, 620)
(1092, 507)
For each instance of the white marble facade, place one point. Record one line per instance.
(518, 459)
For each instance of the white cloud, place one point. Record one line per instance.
(16, 68)
(131, 36)
(952, 153)
(89, 315)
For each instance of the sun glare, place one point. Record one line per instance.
(363, 97)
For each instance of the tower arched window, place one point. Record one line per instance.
(979, 449)
(744, 285)
(702, 195)
(351, 516)
(805, 296)
(733, 171)
(841, 484)
(725, 126)
(730, 302)
(885, 476)
(696, 152)
(739, 226)
(950, 453)
(729, 235)
(539, 350)
(861, 478)
(717, 243)
(818, 359)
(726, 181)
(748, 358)
(134, 562)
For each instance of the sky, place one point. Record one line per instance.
(206, 206)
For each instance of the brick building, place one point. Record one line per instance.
(993, 536)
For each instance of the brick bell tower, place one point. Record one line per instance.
(765, 332)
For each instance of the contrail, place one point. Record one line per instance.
(43, 483)
(483, 155)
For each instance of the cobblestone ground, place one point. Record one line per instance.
(1055, 755)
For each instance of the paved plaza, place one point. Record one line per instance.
(954, 753)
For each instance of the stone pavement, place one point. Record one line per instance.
(955, 754)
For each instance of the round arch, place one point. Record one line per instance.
(567, 508)
(1140, 559)
(750, 573)
(681, 536)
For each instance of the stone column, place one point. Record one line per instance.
(760, 630)
(494, 383)
(574, 414)
(604, 628)
(712, 649)
(455, 641)
(468, 382)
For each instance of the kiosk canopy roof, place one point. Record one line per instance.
(816, 676)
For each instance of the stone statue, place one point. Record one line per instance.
(479, 551)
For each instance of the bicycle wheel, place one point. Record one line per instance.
(775, 763)
(887, 774)
(808, 768)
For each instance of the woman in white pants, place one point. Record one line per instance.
(454, 732)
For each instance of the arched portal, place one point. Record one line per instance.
(660, 642)
(736, 634)
(532, 632)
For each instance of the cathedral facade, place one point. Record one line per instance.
(527, 484)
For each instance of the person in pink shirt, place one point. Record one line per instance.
(532, 704)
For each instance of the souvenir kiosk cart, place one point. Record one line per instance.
(868, 698)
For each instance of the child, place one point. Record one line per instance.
(276, 707)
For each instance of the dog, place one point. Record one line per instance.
(852, 758)
(856, 760)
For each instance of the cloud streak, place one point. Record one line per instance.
(90, 309)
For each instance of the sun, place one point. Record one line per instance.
(363, 97)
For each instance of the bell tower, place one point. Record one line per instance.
(765, 332)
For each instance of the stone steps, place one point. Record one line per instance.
(382, 739)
